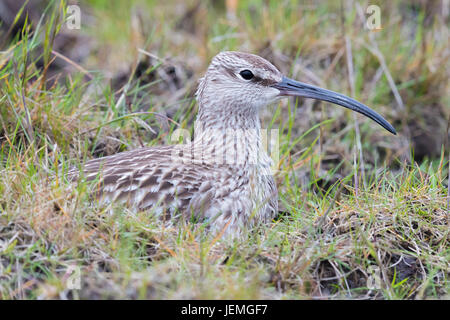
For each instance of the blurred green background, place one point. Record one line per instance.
(401, 70)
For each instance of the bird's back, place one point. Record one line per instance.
(167, 181)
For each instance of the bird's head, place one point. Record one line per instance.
(245, 82)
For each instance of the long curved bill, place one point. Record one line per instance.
(289, 87)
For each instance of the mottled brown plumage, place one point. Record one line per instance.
(224, 176)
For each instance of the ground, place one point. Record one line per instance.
(363, 214)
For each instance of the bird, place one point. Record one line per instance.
(223, 177)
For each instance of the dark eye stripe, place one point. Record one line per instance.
(264, 82)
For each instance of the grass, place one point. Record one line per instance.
(364, 215)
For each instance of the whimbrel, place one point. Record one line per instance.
(222, 176)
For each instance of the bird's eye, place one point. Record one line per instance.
(246, 74)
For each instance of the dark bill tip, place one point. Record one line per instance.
(289, 87)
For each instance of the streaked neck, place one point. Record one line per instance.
(228, 134)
